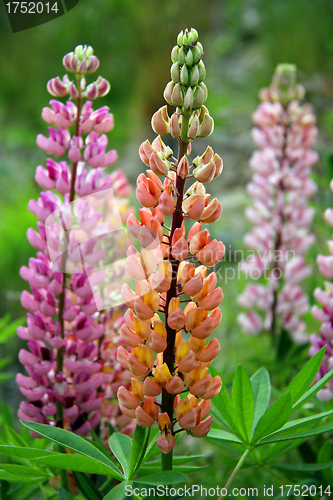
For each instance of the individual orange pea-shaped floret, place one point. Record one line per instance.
(212, 300)
(143, 418)
(144, 355)
(127, 399)
(176, 317)
(175, 385)
(211, 254)
(194, 317)
(159, 282)
(141, 327)
(179, 249)
(156, 342)
(122, 357)
(178, 338)
(194, 285)
(209, 352)
(129, 337)
(201, 387)
(164, 422)
(158, 326)
(136, 367)
(142, 310)
(188, 363)
(195, 375)
(207, 218)
(205, 405)
(182, 408)
(162, 375)
(147, 193)
(150, 388)
(196, 344)
(148, 261)
(137, 388)
(185, 272)
(166, 204)
(128, 413)
(199, 241)
(190, 420)
(157, 165)
(166, 442)
(214, 388)
(181, 350)
(133, 264)
(150, 407)
(202, 429)
(145, 152)
(203, 292)
(128, 295)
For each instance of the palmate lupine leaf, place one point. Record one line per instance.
(269, 425)
(75, 443)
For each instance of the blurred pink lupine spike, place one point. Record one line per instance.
(284, 133)
(71, 360)
(324, 314)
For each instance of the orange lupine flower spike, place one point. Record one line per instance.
(170, 354)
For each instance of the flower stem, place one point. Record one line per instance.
(169, 353)
(166, 460)
(236, 470)
(60, 353)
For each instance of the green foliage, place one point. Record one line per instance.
(245, 420)
(131, 454)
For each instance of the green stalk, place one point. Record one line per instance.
(236, 470)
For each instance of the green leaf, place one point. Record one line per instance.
(274, 418)
(295, 425)
(64, 495)
(313, 390)
(121, 445)
(5, 415)
(226, 409)
(5, 376)
(261, 388)
(243, 401)
(10, 330)
(139, 447)
(22, 470)
(14, 438)
(74, 443)
(305, 377)
(31, 453)
(79, 463)
(15, 478)
(308, 433)
(302, 467)
(118, 492)
(164, 478)
(222, 436)
(180, 460)
(186, 469)
(5, 361)
(152, 449)
(86, 486)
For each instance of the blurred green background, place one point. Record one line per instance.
(243, 40)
